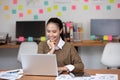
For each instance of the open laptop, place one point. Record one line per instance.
(39, 64)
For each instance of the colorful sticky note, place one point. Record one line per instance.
(59, 14)
(45, 3)
(13, 11)
(29, 11)
(109, 37)
(30, 39)
(105, 37)
(118, 5)
(92, 37)
(40, 11)
(111, 1)
(108, 7)
(97, 7)
(42, 38)
(20, 7)
(64, 8)
(35, 16)
(49, 9)
(6, 7)
(85, 7)
(68, 24)
(21, 38)
(0, 2)
(15, 1)
(20, 14)
(85, 0)
(7, 17)
(73, 7)
(55, 7)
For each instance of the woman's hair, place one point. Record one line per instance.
(59, 23)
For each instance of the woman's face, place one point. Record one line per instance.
(53, 32)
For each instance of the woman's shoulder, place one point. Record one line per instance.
(68, 44)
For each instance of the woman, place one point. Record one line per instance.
(67, 57)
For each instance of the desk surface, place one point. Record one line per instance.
(76, 44)
(88, 71)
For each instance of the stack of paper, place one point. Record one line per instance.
(95, 77)
(11, 74)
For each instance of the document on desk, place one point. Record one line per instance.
(11, 74)
(106, 77)
(92, 77)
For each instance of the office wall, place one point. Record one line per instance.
(67, 10)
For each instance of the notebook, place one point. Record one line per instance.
(39, 64)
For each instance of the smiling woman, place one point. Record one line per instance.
(68, 58)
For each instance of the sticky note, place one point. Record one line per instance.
(7, 17)
(64, 8)
(108, 7)
(85, 7)
(92, 37)
(0, 2)
(73, 7)
(35, 16)
(30, 39)
(20, 7)
(29, 11)
(105, 37)
(68, 24)
(118, 5)
(49, 9)
(97, 7)
(109, 37)
(15, 1)
(111, 1)
(20, 14)
(55, 7)
(59, 14)
(85, 0)
(45, 3)
(13, 11)
(42, 38)
(21, 38)
(40, 11)
(6, 7)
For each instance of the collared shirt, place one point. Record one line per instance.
(59, 46)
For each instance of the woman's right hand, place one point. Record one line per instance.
(52, 46)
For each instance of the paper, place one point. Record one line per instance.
(106, 77)
(64, 8)
(98, 7)
(85, 7)
(118, 5)
(6, 7)
(11, 74)
(13, 11)
(29, 11)
(15, 1)
(73, 7)
(109, 7)
(40, 11)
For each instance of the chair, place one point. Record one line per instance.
(27, 48)
(111, 55)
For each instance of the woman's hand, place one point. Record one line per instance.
(61, 69)
(51, 44)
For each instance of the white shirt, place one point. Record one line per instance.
(59, 46)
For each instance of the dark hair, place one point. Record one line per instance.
(59, 23)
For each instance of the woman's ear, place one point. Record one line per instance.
(60, 31)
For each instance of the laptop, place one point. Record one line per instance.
(39, 64)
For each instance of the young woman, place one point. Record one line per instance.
(68, 58)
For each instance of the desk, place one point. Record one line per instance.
(76, 44)
(89, 71)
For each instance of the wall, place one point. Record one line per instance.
(71, 10)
